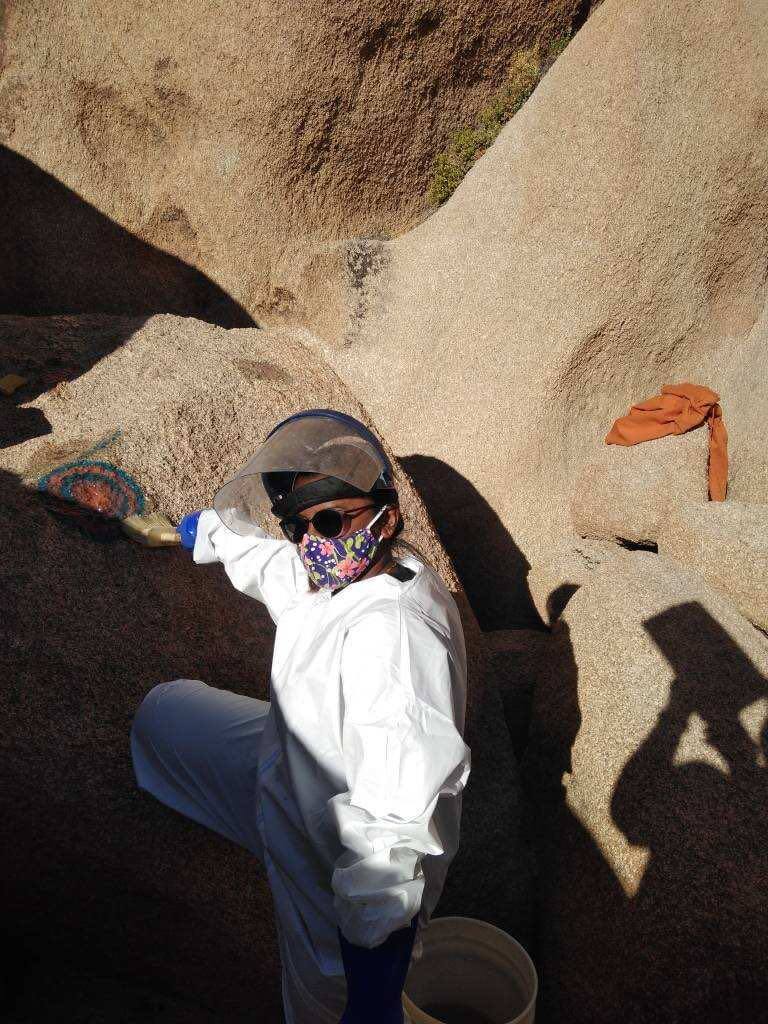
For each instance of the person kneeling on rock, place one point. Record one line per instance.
(346, 784)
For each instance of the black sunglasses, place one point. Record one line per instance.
(328, 523)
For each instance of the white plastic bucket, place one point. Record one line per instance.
(470, 973)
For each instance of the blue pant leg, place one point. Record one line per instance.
(196, 748)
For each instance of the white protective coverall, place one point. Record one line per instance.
(347, 784)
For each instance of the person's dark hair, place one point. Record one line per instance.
(397, 543)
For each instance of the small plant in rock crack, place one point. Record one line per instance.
(467, 145)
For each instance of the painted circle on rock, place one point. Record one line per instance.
(99, 486)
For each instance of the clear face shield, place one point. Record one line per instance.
(314, 444)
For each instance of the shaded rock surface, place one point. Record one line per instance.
(97, 878)
(514, 659)
(492, 875)
(235, 144)
(647, 776)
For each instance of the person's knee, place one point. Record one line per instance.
(148, 717)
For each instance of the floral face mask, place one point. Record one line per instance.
(336, 561)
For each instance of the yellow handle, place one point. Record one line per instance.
(153, 531)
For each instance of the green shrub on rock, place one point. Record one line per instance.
(466, 145)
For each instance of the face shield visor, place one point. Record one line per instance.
(309, 444)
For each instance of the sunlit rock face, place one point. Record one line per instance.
(239, 141)
(611, 241)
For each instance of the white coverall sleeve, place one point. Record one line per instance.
(260, 566)
(401, 750)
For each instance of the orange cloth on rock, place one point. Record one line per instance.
(679, 408)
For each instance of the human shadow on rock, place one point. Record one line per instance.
(687, 940)
(492, 568)
(701, 904)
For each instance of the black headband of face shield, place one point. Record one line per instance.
(326, 489)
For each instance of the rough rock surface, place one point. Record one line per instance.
(727, 544)
(647, 770)
(98, 877)
(612, 240)
(492, 876)
(627, 493)
(233, 140)
(514, 660)
(568, 565)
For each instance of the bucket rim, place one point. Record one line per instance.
(410, 1006)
